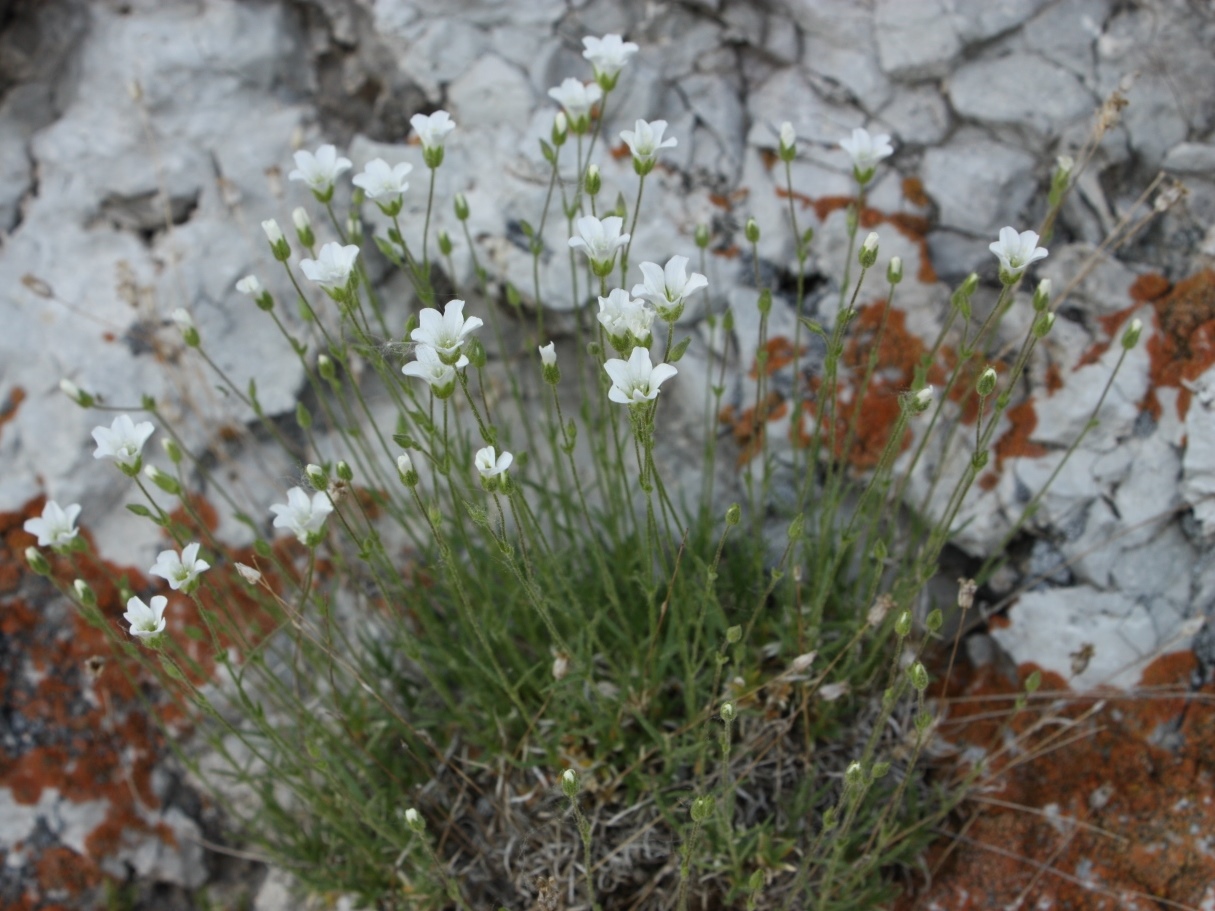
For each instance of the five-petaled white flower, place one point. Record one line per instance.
(621, 316)
(431, 367)
(319, 171)
(548, 354)
(644, 141)
(432, 129)
(599, 240)
(866, 151)
(636, 380)
(381, 180)
(332, 267)
(56, 527)
(147, 621)
(490, 464)
(608, 55)
(445, 332)
(303, 515)
(250, 285)
(180, 571)
(577, 99)
(667, 288)
(123, 442)
(1016, 252)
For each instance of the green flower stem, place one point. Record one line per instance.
(430, 203)
(624, 256)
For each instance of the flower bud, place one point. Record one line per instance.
(986, 384)
(594, 181)
(278, 244)
(702, 808)
(37, 562)
(84, 593)
(894, 272)
(733, 634)
(970, 284)
(702, 235)
(879, 770)
(548, 364)
(185, 322)
(1043, 325)
(797, 527)
(561, 128)
(303, 417)
(303, 227)
(921, 400)
(324, 366)
(405, 469)
(317, 477)
(1042, 295)
(344, 471)
(1033, 681)
(569, 783)
(869, 250)
(902, 626)
(1130, 338)
(460, 204)
(733, 515)
(854, 775)
(728, 712)
(444, 244)
(764, 304)
(172, 450)
(788, 142)
(76, 394)
(752, 231)
(919, 676)
(414, 820)
(165, 482)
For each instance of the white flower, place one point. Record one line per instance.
(180, 571)
(645, 139)
(379, 179)
(577, 99)
(866, 150)
(667, 288)
(146, 621)
(331, 269)
(250, 285)
(445, 332)
(620, 315)
(599, 240)
(788, 138)
(432, 129)
(548, 354)
(608, 54)
(56, 527)
(490, 464)
(303, 515)
(123, 442)
(431, 367)
(319, 171)
(636, 380)
(1016, 251)
(299, 216)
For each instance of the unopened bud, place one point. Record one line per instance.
(788, 142)
(460, 204)
(1033, 681)
(733, 634)
(594, 181)
(317, 477)
(569, 783)
(921, 400)
(902, 626)
(445, 247)
(702, 808)
(1043, 324)
(869, 250)
(919, 676)
(727, 711)
(894, 272)
(733, 515)
(1042, 295)
(303, 227)
(702, 235)
(165, 482)
(324, 366)
(751, 231)
(1130, 338)
(278, 243)
(970, 284)
(406, 471)
(76, 394)
(561, 128)
(84, 593)
(414, 820)
(344, 471)
(37, 562)
(185, 322)
(854, 775)
(987, 382)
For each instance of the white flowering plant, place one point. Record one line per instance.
(507, 575)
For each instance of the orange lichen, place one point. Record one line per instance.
(1015, 441)
(780, 353)
(1101, 809)
(8, 408)
(1184, 347)
(913, 192)
(1149, 287)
